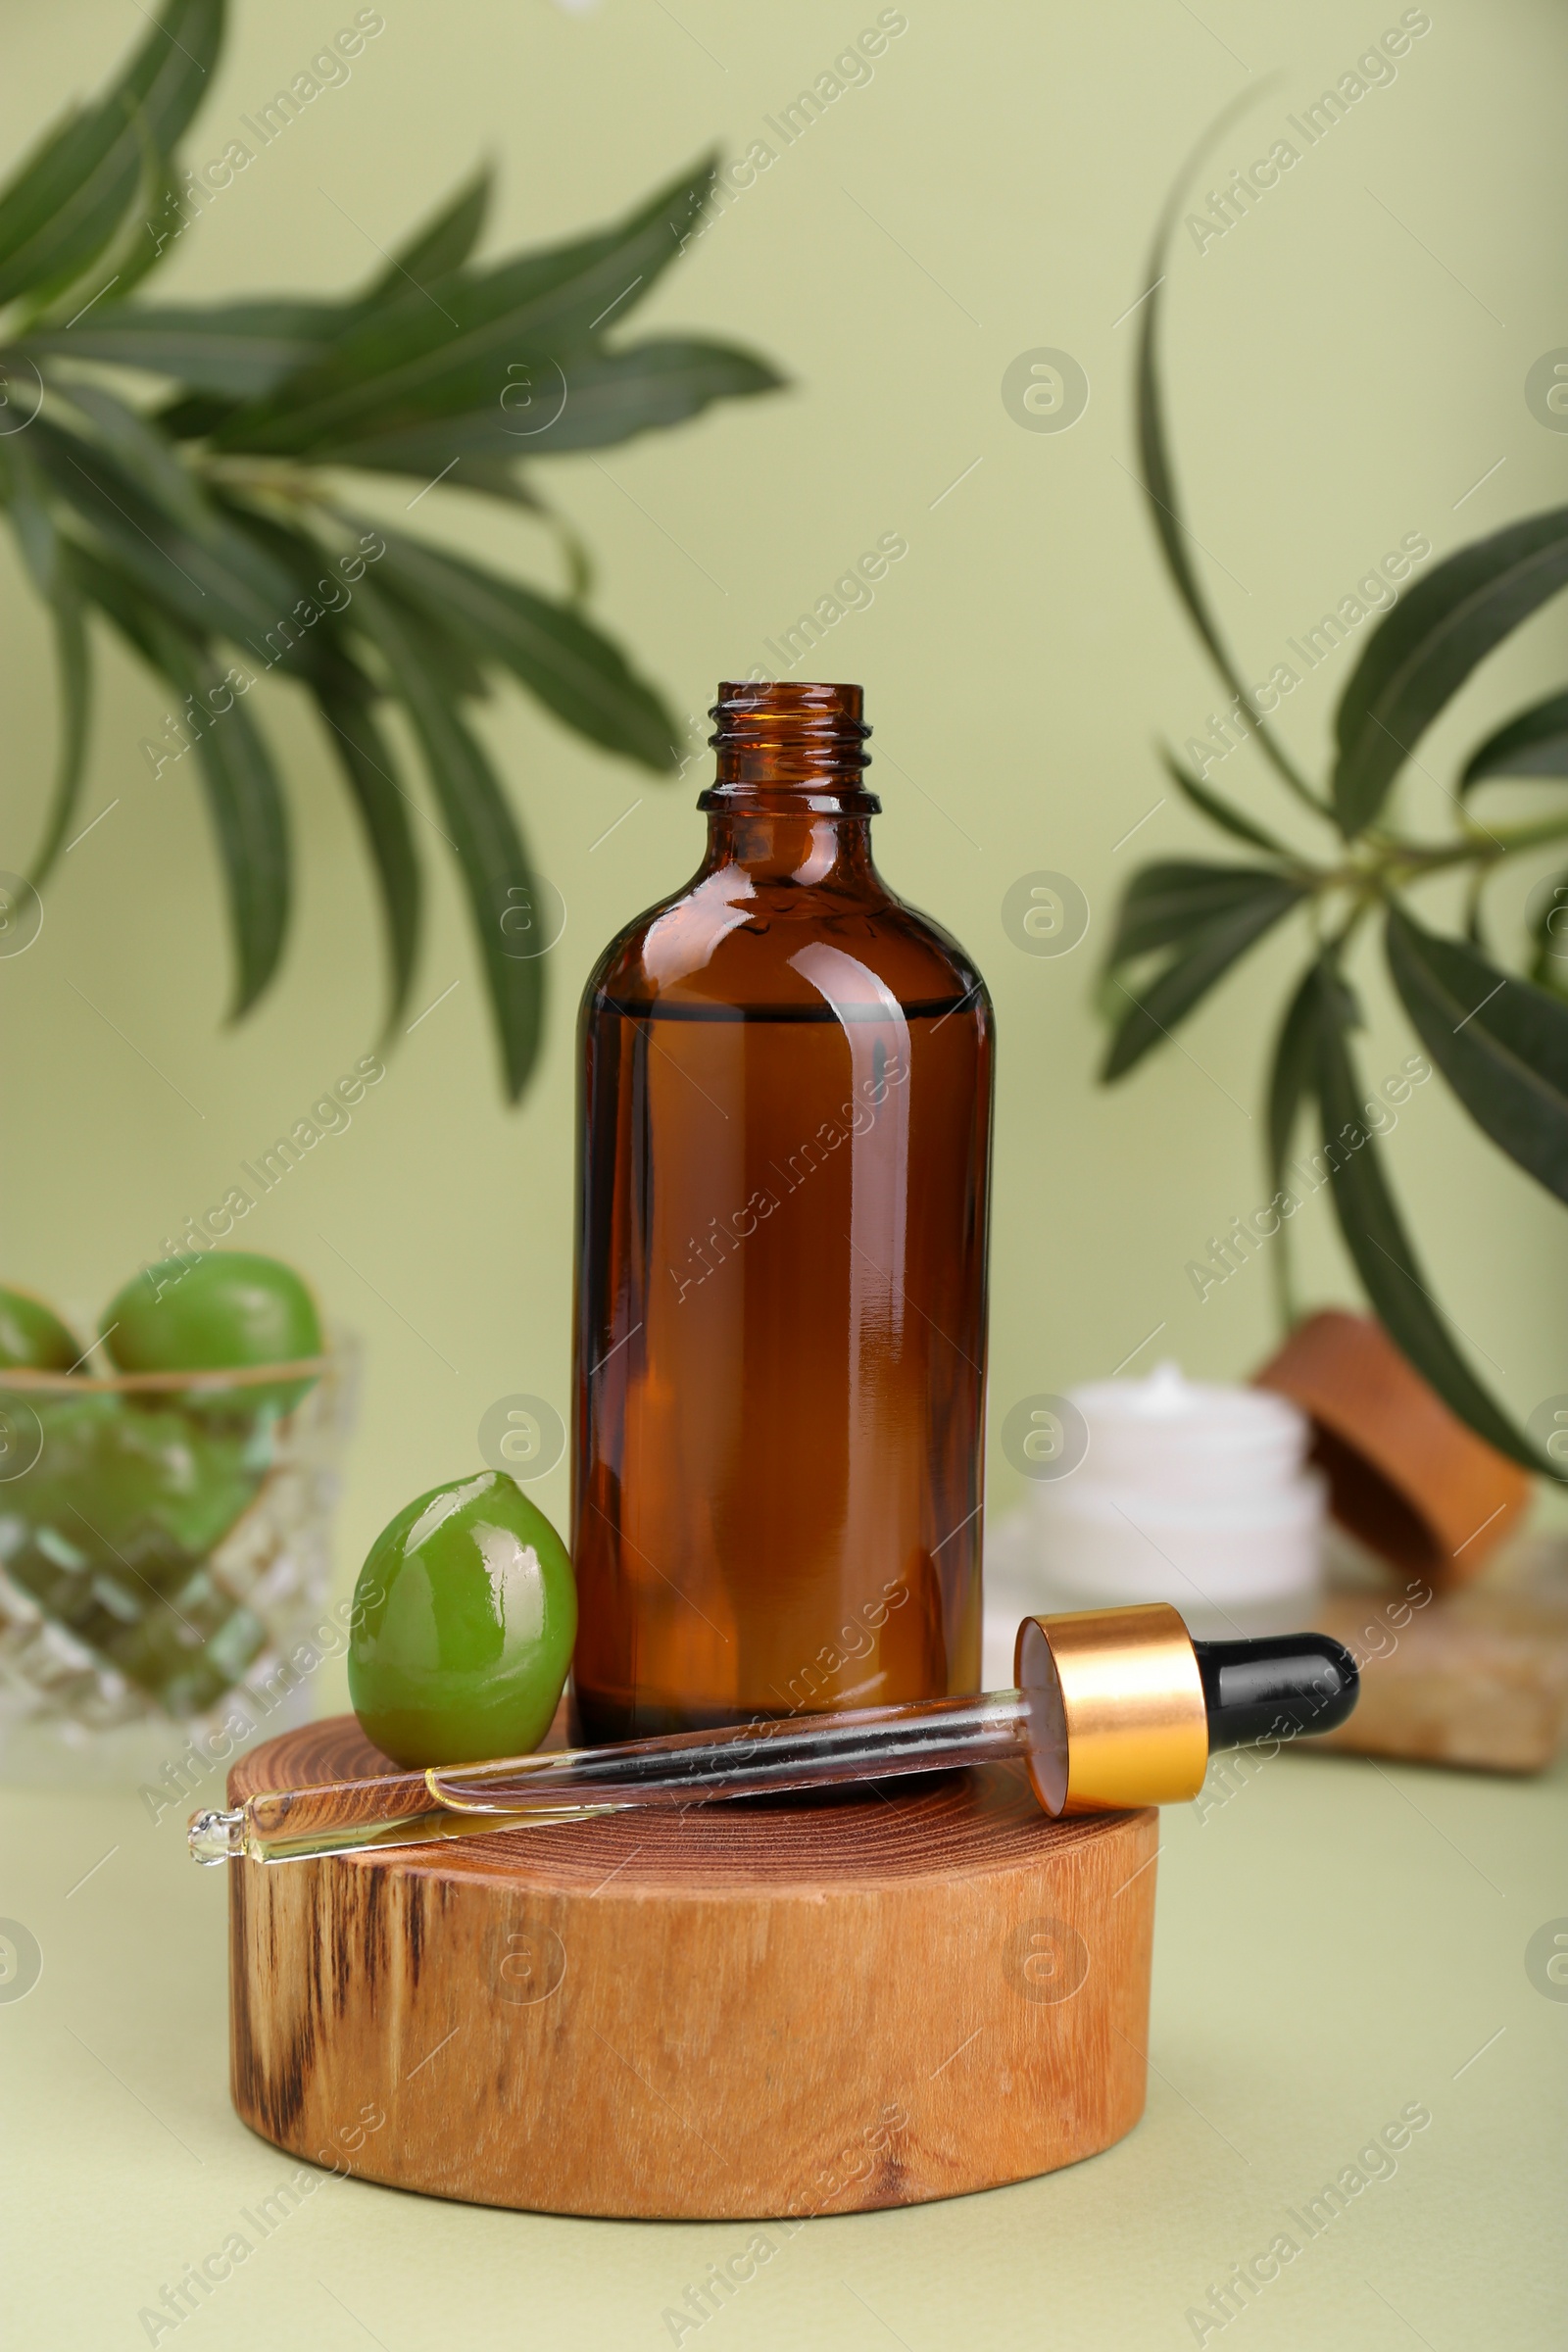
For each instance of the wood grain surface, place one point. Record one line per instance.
(741, 2010)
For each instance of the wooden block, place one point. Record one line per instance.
(738, 2011)
(1405, 1475)
(1479, 1677)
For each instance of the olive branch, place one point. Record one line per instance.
(1498, 1037)
(214, 515)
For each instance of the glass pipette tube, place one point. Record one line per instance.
(1118, 1708)
(755, 1759)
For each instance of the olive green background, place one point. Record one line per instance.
(1334, 387)
(1347, 366)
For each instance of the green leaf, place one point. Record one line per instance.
(74, 679)
(1381, 1250)
(441, 246)
(235, 349)
(499, 477)
(222, 583)
(1217, 810)
(123, 602)
(65, 204)
(145, 229)
(246, 807)
(1156, 473)
(310, 642)
(574, 669)
(51, 567)
(1534, 743)
(383, 806)
(1292, 1076)
(192, 417)
(446, 351)
(1501, 1044)
(451, 657)
(1158, 477)
(24, 493)
(1207, 952)
(146, 234)
(1474, 928)
(490, 853)
(600, 398)
(1419, 655)
(1167, 901)
(241, 788)
(144, 453)
(1292, 1071)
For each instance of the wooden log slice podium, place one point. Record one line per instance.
(738, 2011)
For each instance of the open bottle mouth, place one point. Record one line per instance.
(788, 738)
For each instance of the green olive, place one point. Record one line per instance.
(228, 1310)
(464, 1620)
(109, 1530)
(112, 1483)
(31, 1334)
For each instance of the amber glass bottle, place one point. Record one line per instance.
(781, 1266)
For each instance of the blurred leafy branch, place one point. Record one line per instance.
(214, 515)
(1499, 1038)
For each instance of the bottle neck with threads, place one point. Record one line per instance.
(788, 801)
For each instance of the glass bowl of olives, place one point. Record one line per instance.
(165, 1500)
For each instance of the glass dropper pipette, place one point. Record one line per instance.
(1114, 1708)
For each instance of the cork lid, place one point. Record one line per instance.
(1404, 1474)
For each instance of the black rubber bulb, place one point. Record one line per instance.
(1282, 1686)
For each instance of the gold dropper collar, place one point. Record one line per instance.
(1118, 1710)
